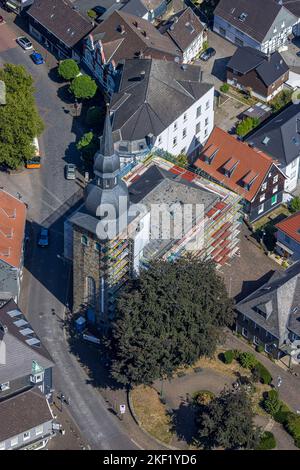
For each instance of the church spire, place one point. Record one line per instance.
(107, 145)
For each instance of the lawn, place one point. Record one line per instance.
(151, 413)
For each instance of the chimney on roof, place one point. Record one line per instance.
(135, 23)
(144, 33)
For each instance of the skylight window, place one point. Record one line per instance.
(266, 140)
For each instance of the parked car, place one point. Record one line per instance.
(70, 171)
(99, 12)
(37, 58)
(24, 43)
(207, 54)
(43, 239)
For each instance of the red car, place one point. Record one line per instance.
(1, 19)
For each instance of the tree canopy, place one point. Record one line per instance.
(83, 87)
(295, 204)
(245, 126)
(170, 316)
(227, 422)
(68, 69)
(19, 118)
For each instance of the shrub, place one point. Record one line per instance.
(271, 402)
(282, 414)
(83, 87)
(246, 125)
(228, 356)
(224, 87)
(92, 14)
(247, 360)
(236, 354)
(261, 374)
(295, 204)
(203, 397)
(259, 348)
(292, 426)
(267, 441)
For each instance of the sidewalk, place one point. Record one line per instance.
(290, 388)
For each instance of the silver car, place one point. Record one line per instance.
(70, 171)
(24, 43)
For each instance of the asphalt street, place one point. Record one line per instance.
(46, 274)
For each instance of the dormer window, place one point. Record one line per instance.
(230, 166)
(210, 154)
(249, 179)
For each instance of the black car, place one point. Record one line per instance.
(207, 54)
(99, 11)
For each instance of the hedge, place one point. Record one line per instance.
(262, 374)
(271, 402)
(292, 426)
(247, 360)
(282, 414)
(267, 441)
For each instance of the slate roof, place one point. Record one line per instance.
(293, 6)
(269, 69)
(251, 164)
(135, 7)
(23, 412)
(59, 18)
(291, 226)
(139, 36)
(183, 28)
(153, 94)
(19, 354)
(260, 15)
(282, 294)
(279, 137)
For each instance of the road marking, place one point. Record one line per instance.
(135, 443)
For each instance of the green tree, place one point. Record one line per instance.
(19, 118)
(281, 100)
(295, 204)
(182, 160)
(68, 69)
(246, 125)
(224, 87)
(247, 360)
(94, 117)
(83, 87)
(169, 317)
(88, 146)
(271, 402)
(227, 422)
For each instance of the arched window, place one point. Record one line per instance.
(90, 291)
(84, 240)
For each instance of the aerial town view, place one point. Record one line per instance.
(150, 227)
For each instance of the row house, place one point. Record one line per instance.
(288, 238)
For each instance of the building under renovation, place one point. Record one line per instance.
(158, 210)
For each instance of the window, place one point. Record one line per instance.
(198, 111)
(283, 24)
(264, 187)
(207, 105)
(14, 441)
(4, 386)
(184, 133)
(184, 117)
(2, 445)
(268, 348)
(174, 141)
(255, 340)
(206, 121)
(183, 150)
(294, 163)
(97, 246)
(274, 199)
(245, 332)
(275, 179)
(159, 140)
(222, 31)
(197, 128)
(175, 126)
(260, 208)
(26, 435)
(84, 240)
(39, 430)
(275, 189)
(262, 198)
(205, 132)
(36, 378)
(287, 239)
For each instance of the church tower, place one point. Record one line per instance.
(101, 265)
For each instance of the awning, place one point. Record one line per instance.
(11, 5)
(284, 248)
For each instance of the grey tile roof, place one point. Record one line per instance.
(269, 69)
(19, 354)
(260, 15)
(280, 295)
(293, 6)
(8, 281)
(152, 95)
(135, 7)
(23, 412)
(59, 18)
(279, 137)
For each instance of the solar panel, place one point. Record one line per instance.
(33, 341)
(20, 322)
(14, 313)
(26, 331)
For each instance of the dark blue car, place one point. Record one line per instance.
(37, 58)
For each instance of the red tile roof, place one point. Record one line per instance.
(12, 227)
(291, 226)
(248, 162)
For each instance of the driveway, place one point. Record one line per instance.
(290, 56)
